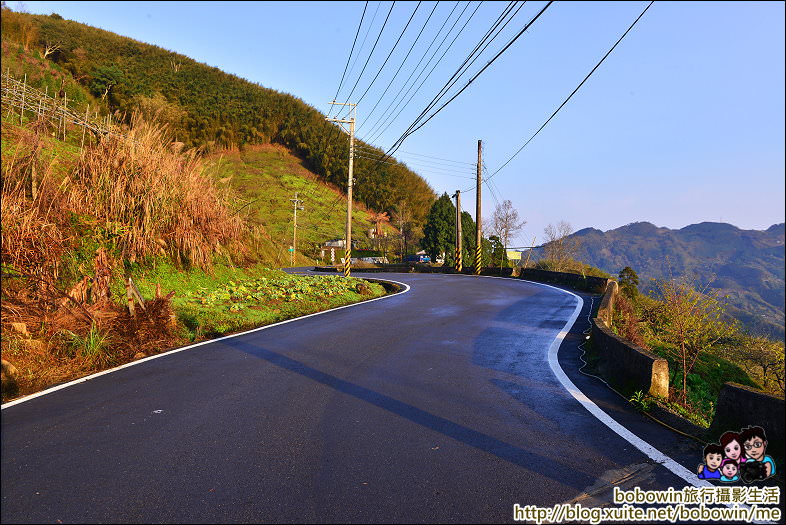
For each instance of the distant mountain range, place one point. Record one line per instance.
(746, 265)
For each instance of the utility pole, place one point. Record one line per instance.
(296, 205)
(351, 133)
(530, 252)
(458, 231)
(478, 237)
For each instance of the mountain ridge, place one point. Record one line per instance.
(745, 265)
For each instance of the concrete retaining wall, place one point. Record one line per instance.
(419, 268)
(624, 365)
(579, 282)
(741, 406)
(627, 367)
(606, 308)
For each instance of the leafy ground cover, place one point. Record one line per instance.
(234, 299)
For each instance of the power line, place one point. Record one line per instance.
(351, 51)
(474, 53)
(438, 158)
(458, 166)
(407, 134)
(391, 53)
(575, 90)
(401, 104)
(372, 51)
(415, 167)
(406, 82)
(363, 43)
(403, 61)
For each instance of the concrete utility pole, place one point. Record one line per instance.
(478, 237)
(351, 133)
(458, 231)
(296, 205)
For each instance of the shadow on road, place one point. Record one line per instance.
(561, 472)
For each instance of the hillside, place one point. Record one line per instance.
(265, 177)
(746, 265)
(203, 106)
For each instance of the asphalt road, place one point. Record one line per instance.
(436, 405)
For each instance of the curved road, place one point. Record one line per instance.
(436, 405)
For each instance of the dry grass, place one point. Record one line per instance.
(153, 199)
(158, 197)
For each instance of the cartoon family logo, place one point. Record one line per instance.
(738, 456)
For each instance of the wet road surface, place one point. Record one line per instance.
(435, 405)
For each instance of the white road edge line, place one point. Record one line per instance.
(650, 451)
(647, 449)
(405, 289)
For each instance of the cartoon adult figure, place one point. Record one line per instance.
(732, 447)
(729, 471)
(758, 465)
(713, 457)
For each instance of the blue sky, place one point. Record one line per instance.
(683, 123)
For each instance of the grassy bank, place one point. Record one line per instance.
(204, 306)
(235, 299)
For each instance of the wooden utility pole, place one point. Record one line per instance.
(458, 231)
(351, 133)
(296, 205)
(478, 237)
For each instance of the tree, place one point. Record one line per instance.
(403, 220)
(104, 81)
(762, 358)
(50, 48)
(560, 248)
(497, 249)
(505, 223)
(629, 282)
(439, 233)
(691, 321)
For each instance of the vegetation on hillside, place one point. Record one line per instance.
(746, 266)
(203, 106)
(77, 222)
(705, 348)
(264, 179)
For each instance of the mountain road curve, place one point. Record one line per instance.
(434, 405)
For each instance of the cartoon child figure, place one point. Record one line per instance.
(755, 442)
(732, 447)
(729, 471)
(713, 457)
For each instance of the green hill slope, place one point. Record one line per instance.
(266, 177)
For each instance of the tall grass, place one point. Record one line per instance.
(160, 197)
(32, 205)
(155, 199)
